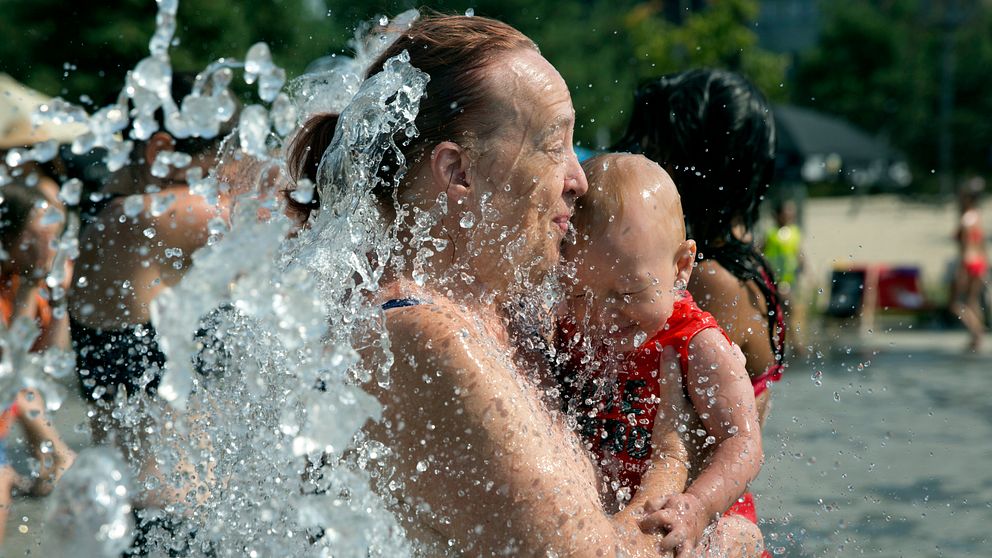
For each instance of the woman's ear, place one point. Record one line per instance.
(449, 170)
(685, 257)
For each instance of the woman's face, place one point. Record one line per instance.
(526, 177)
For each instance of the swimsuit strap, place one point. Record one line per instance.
(768, 377)
(400, 303)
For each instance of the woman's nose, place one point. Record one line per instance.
(575, 179)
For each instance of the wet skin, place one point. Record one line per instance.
(473, 440)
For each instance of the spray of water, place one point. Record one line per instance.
(260, 443)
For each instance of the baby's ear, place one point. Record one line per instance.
(685, 257)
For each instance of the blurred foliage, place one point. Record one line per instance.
(878, 64)
(601, 47)
(85, 47)
(717, 37)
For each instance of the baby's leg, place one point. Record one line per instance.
(733, 537)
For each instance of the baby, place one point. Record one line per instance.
(626, 306)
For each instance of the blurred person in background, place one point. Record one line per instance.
(138, 237)
(971, 275)
(27, 242)
(713, 131)
(782, 247)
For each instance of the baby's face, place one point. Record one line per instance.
(625, 276)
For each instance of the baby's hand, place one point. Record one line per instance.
(680, 517)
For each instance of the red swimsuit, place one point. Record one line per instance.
(617, 425)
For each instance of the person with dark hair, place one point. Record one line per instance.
(713, 131)
(138, 237)
(485, 466)
(971, 276)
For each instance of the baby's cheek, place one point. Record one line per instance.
(656, 313)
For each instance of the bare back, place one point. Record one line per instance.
(125, 262)
(741, 310)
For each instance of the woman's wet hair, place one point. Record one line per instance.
(455, 52)
(303, 160)
(713, 131)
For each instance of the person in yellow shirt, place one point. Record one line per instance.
(783, 251)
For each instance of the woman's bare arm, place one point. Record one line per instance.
(474, 444)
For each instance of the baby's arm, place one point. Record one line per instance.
(723, 398)
(668, 472)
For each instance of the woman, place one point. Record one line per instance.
(970, 277)
(713, 132)
(485, 466)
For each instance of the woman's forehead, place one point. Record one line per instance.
(533, 89)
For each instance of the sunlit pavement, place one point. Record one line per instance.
(880, 448)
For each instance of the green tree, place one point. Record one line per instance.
(85, 47)
(601, 47)
(719, 36)
(878, 64)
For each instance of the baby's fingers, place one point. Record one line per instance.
(675, 540)
(654, 504)
(658, 522)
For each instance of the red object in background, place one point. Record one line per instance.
(859, 287)
(899, 288)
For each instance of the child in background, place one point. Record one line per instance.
(53, 455)
(627, 304)
(782, 248)
(26, 246)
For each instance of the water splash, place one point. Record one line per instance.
(257, 425)
(89, 510)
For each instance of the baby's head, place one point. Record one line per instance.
(631, 255)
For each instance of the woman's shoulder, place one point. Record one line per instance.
(422, 323)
